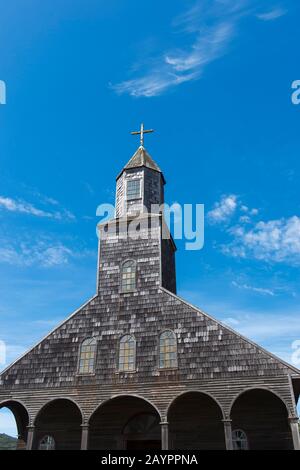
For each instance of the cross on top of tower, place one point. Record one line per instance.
(142, 132)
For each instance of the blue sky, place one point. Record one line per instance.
(214, 79)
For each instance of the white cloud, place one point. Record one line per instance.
(9, 255)
(244, 208)
(223, 210)
(245, 219)
(153, 84)
(273, 241)
(42, 253)
(208, 46)
(50, 200)
(39, 196)
(39, 248)
(272, 14)
(23, 207)
(258, 290)
(296, 353)
(13, 351)
(252, 322)
(88, 187)
(262, 327)
(54, 255)
(232, 322)
(212, 26)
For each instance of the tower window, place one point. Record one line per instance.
(87, 357)
(239, 440)
(133, 189)
(128, 276)
(167, 350)
(127, 354)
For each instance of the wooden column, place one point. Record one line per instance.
(21, 444)
(164, 435)
(30, 436)
(228, 434)
(84, 436)
(295, 431)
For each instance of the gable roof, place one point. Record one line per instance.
(61, 339)
(294, 370)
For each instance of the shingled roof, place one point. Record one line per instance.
(141, 158)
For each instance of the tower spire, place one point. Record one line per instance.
(141, 132)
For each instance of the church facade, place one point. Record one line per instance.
(137, 367)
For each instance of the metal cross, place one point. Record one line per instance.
(142, 132)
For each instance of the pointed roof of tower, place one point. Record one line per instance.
(141, 158)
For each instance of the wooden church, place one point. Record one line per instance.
(137, 367)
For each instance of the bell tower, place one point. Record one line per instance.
(140, 186)
(139, 197)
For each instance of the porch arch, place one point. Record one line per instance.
(22, 419)
(249, 389)
(125, 422)
(61, 420)
(263, 416)
(196, 422)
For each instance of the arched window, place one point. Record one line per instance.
(87, 357)
(239, 440)
(142, 424)
(167, 350)
(128, 276)
(127, 353)
(47, 443)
